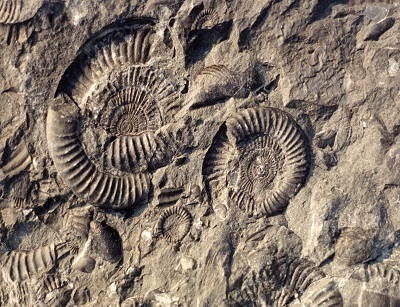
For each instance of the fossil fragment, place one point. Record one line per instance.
(354, 245)
(84, 263)
(206, 19)
(21, 265)
(169, 196)
(16, 11)
(260, 156)
(277, 284)
(17, 161)
(379, 271)
(218, 82)
(174, 223)
(378, 29)
(106, 241)
(324, 293)
(325, 139)
(77, 223)
(52, 282)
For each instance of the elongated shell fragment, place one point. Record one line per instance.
(260, 156)
(21, 265)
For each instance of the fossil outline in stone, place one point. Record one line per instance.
(77, 224)
(169, 196)
(22, 265)
(354, 245)
(79, 172)
(18, 160)
(110, 69)
(251, 128)
(106, 241)
(206, 19)
(277, 284)
(17, 11)
(323, 293)
(10, 11)
(51, 283)
(303, 276)
(174, 223)
(379, 271)
(218, 82)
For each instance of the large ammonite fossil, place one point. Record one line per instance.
(110, 102)
(259, 156)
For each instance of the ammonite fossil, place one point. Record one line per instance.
(101, 128)
(260, 156)
(174, 223)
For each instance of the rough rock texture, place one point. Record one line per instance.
(199, 153)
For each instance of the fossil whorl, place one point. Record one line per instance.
(260, 155)
(174, 223)
(117, 99)
(81, 174)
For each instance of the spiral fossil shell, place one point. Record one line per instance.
(265, 153)
(174, 223)
(110, 95)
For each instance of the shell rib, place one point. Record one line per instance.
(10, 11)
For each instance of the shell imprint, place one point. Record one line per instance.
(174, 223)
(18, 160)
(10, 11)
(260, 156)
(354, 245)
(21, 265)
(206, 19)
(17, 11)
(324, 293)
(128, 100)
(169, 196)
(106, 241)
(218, 82)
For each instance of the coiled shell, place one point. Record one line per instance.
(101, 127)
(260, 155)
(174, 224)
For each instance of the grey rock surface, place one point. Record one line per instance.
(199, 153)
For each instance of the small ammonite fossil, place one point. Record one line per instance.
(260, 156)
(174, 224)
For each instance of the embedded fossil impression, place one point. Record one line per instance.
(267, 161)
(128, 100)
